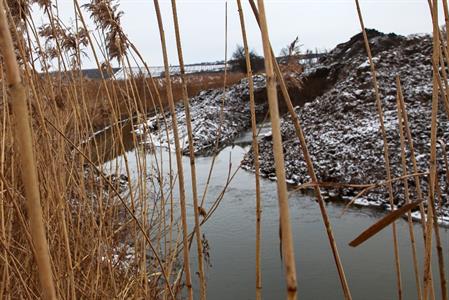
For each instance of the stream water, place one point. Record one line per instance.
(231, 236)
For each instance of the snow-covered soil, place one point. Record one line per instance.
(342, 125)
(158, 71)
(210, 127)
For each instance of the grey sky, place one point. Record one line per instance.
(319, 24)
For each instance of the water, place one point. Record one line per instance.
(231, 236)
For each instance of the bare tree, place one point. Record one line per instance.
(238, 61)
(292, 49)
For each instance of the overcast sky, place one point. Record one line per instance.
(318, 23)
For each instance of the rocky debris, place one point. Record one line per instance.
(209, 126)
(342, 125)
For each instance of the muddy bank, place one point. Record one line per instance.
(342, 127)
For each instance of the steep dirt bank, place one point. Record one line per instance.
(341, 124)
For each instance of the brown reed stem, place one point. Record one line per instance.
(310, 168)
(440, 254)
(24, 144)
(433, 141)
(446, 162)
(4, 289)
(412, 155)
(191, 155)
(446, 23)
(284, 214)
(386, 150)
(178, 151)
(123, 202)
(255, 147)
(406, 189)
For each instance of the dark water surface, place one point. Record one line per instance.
(231, 236)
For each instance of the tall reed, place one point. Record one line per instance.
(191, 156)
(288, 252)
(310, 169)
(178, 149)
(432, 162)
(24, 146)
(399, 100)
(255, 147)
(386, 150)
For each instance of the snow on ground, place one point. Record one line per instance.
(209, 125)
(342, 125)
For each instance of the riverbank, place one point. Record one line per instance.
(230, 234)
(218, 117)
(342, 128)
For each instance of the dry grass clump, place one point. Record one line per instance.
(97, 103)
(102, 243)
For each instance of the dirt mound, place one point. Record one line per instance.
(341, 124)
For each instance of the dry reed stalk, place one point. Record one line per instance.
(97, 61)
(128, 209)
(24, 146)
(4, 293)
(446, 23)
(337, 185)
(444, 89)
(191, 155)
(255, 147)
(178, 152)
(433, 141)
(439, 248)
(284, 214)
(406, 188)
(141, 168)
(159, 166)
(110, 94)
(444, 86)
(310, 168)
(121, 142)
(64, 228)
(386, 150)
(412, 155)
(443, 53)
(136, 108)
(100, 227)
